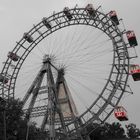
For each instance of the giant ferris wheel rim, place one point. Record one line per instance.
(81, 17)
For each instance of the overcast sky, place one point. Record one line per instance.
(18, 16)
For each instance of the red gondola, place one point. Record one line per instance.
(114, 18)
(135, 72)
(120, 113)
(13, 56)
(131, 38)
(27, 37)
(3, 79)
(90, 9)
(67, 13)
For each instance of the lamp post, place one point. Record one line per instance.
(2, 104)
(28, 128)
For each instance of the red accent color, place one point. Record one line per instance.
(130, 34)
(135, 71)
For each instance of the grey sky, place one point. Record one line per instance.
(18, 16)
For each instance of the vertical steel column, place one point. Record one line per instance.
(59, 81)
(51, 100)
(53, 104)
(4, 122)
(3, 103)
(35, 93)
(30, 90)
(45, 120)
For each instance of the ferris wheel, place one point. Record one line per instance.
(71, 69)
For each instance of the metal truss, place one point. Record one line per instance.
(116, 84)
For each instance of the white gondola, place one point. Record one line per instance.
(3, 79)
(114, 17)
(46, 23)
(27, 37)
(13, 56)
(67, 13)
(90, 9)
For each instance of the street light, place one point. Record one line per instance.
(2, 104)
(28, 128)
